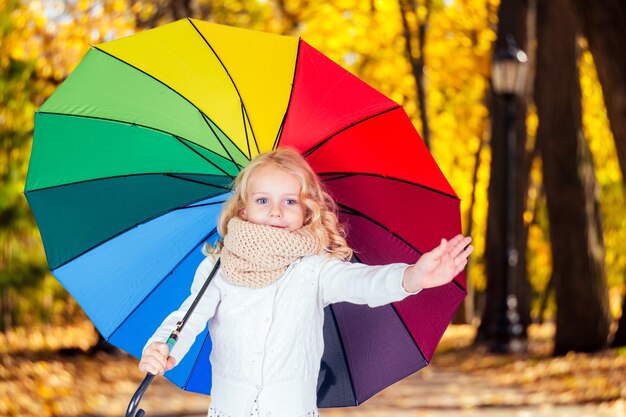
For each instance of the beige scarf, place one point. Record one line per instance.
(256, 255)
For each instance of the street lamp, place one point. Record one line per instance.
(509, 80)
(510, 67)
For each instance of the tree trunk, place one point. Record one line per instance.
(512, 20)
(582, 318)
(604, 25)
(416, 59)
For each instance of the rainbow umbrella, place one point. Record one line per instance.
(133, 156)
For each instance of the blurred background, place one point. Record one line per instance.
(523, 106)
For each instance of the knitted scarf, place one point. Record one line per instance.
(256, 255)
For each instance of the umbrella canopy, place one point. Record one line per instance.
(132, 160)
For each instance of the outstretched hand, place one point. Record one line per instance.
(440, 265)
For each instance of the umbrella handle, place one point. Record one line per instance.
(171, 341)
(134, 402)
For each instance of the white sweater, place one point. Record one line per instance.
(268, 342)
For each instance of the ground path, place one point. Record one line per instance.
(41, 379)
(434, 392)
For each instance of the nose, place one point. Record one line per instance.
(275, 211)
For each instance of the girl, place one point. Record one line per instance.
(283, 260)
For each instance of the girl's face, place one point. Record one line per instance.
(274, 199)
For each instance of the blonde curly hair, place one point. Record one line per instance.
(320, 210)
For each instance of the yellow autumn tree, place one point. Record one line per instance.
(43, 40)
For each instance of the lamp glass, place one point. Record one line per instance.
(509, 73)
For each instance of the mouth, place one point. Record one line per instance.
(278, 227)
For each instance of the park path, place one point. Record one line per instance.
(449, 393)
(434, 392)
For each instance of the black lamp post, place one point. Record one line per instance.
(509, 80)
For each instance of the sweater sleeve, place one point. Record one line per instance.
(361, 284)
(196, 323)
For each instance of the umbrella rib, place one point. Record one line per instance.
(245, 126)
(177, 177)
(345, 355)
(329, 137)
(280, 132)
(161, 82)
(149, 128)
(211, 233)
(183, 142)
(459, 286)
(169, 174)
(328, 176)
(342, 175)
(351, 211)
(293, 83)
(197, 359)
(256, 144)
(232, 159)
(407, 330)
(214, 203)
(243, 106)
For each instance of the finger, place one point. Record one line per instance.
(455, 240)
(157, 361)
(170, 363)
(148, 368)
(152, 370)
(163, 349)
(462, 257)
(466, 253)
(460, 267)
(440, 249)
(455, 245)
(460, 245)
(153, 346)
(161, 361)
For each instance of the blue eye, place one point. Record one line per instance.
(262, 200)
(291, 201)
